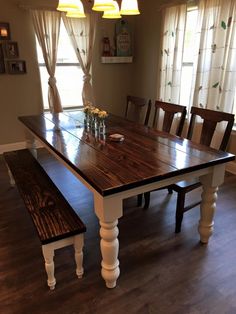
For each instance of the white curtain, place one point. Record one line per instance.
(215, 58)
(174, 19)
(82, 34)
(47, 28)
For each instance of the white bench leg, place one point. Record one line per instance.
(12, 181)
(78, 246)
(48, 254)
(31, 145)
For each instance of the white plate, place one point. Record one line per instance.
(116, 137)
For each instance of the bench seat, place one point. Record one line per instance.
(56, 222)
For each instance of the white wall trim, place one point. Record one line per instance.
(12, 146)
(16, 146)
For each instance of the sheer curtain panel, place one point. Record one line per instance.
(215, 55)
(47, 28)
(173, 26)
(82, 35)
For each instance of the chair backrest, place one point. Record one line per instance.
(138, 109)
(210, 120)
(170, 110)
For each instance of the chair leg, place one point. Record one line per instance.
(139, 201)
(179, 211)
(147, 200)
(170, 191)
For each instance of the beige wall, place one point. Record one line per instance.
(20, 94)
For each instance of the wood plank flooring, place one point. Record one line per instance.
(161, 272)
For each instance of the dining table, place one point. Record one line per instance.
(141, 160)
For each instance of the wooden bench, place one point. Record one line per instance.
(54, 219)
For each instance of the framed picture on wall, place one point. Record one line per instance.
(11, 49)
(5, 31)
(16, 67)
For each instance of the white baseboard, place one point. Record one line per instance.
(12, 146)
(15, 146)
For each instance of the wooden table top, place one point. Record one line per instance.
(145, 156)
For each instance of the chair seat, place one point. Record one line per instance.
(187, 185)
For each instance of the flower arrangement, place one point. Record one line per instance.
(94, 117)
(91, 110)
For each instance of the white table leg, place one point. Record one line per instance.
(108, 211)
(109, 249)
(207, 210)
(31, 145)
(210, 185)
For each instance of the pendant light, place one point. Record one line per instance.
(69, 5)
(112, 14)
(75, 14)
(129, 7)
(103, 5)
(79, 13)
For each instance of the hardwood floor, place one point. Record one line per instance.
(160, 272)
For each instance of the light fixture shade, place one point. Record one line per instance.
(129, 7)
(112, 14)
(75, 14)
(69, 5)
(103, 5)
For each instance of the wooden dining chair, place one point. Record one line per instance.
(138, 109)
(210, 119)
(170, 113)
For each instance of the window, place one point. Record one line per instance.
(69, 74)
(234, 112)
(187, 65)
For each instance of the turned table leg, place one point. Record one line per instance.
(31, 145)
(109, 249)
(210, 185)
(207, 210)
(109, 210)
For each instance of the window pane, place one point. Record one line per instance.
(234, 111)
(186, 81)
(69, 84)
(65, 53)
(189, 35)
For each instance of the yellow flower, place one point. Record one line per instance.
(102, 114)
